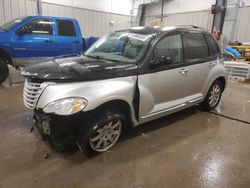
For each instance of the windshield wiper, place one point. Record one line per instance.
(95, 57)
(103, 58)
(3, 29)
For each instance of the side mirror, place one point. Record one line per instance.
(160, 61)
(24, 30)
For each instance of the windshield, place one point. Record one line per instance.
(120, 46)
(12, 23)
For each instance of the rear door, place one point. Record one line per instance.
(65, 40)
(37, 44)
(162, 88)
(197, 64)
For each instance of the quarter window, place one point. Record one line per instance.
(41, 26)
(170, 46)
(214, 49)
(195, 46)
(65, 28)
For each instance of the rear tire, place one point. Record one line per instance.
(213, 96)
(4, 71)
(101, 133)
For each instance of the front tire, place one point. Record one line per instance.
(4, 71)
(101, 134)
(213, 96)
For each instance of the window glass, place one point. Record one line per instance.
(195, 46)
(170, 46)
(214, 49)
(13, 23)
(120, 46)
(40, 26)
(65, 28)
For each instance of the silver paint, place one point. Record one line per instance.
(95, 92)
(165, 92)
(161, 93)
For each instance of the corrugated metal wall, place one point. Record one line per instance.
(201, 18)
(10, 9)
(243, 33)
(96, 23)
(204, 19)
(93, 23)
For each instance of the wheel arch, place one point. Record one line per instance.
(122, 105)
(5, 56)
(205, 104)
(222, 80)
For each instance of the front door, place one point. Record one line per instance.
(34, 41)
(162, 89)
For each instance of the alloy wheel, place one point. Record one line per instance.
(106, 137)
(214, 95)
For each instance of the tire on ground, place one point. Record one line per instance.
(98, 121)
(206, 103)
(4, 71)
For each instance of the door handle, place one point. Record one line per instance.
(48, 41)
(212, 64)
(183, 71)
(76, 42)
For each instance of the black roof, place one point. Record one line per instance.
(142, 30)
(158, 30)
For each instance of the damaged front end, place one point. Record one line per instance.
(60, 132)
(59, 120)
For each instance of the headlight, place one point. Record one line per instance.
(66, 106)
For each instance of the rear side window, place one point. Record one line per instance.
(195, 46)
(170, 46)
(214, 49)
(65, 28)
(41, 26)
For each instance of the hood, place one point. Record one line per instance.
(78, 69)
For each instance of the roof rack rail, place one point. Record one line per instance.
(190, 26)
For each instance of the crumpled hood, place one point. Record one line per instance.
(78, 68)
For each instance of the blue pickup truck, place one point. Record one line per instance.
(37, 38)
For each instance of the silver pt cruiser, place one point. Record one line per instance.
(126, 78)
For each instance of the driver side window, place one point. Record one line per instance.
(41, 26)
(170, 47)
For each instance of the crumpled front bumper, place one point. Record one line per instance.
(42, 123)
(60, 132)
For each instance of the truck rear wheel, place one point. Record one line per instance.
(4, 71)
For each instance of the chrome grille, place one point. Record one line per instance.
(31, 92)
